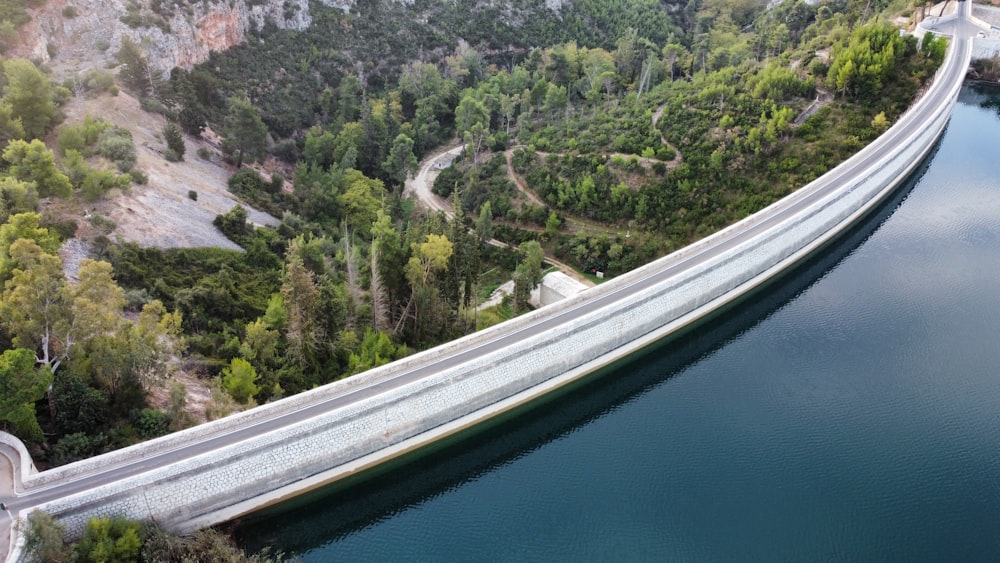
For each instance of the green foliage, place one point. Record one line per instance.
(43, 541)
(96, 80)
(16, 197)
(96, 183)
(77, 446)
(376, 349)
(150, 423)
(10, 124)
(862, 64)
(244, 134)
(234, 225)
(240, 380)
(34, 162)
(29, 93)
(65, 229)
(175, 141)
(21, 384)
(110, 540)
(213, 288)
(136, 74)
(81, 137)
(23, 226)
(115, 143)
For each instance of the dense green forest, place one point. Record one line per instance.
(638, 125)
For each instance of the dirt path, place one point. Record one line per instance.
(678, 158)
(420, 185)
(656, 119)
(420, 188)
(822, 98)
(522, 186)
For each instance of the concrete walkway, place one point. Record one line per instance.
(6, 491)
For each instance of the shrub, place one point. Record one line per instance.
(71, 137)
(77, 446)
(102, 45)
(204, 153)
(150, 423)
(138, 177)
(175, 141)
(103, 224)
(152, 105)
(66, 229)
(116, 144)
(96, 183)
(110, 539)
(247, 183)
(44, 539)
(99, 81)
(192, 195)
(70, 12)
(666, 153)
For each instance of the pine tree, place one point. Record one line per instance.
(175, 141)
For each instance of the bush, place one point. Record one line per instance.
(102, 45)
(247, 183)
(138, 177)
(110, 540)
(44, 540)
(103, 223)
(192, 195)
(116, 144)
(150, 423)
(175, 142)
(66, 229)
(99, 81)
(96, 183)
(204, 153)
(71, 138)
(70, 12)
(152, 105)
(77, 446)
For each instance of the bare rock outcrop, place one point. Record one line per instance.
(87, 33)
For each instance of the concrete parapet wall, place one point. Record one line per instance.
(24, 466)
(205, 489)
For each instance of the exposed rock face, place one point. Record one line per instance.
(93, 36)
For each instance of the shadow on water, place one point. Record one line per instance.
(323, 516)
(986, 96)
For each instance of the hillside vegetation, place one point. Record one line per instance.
(637, 126)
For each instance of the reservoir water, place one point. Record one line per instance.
(850, 411)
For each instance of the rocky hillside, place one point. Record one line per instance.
(80, 34)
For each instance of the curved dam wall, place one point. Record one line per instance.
(269, 467)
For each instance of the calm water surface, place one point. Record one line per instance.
(850, 412)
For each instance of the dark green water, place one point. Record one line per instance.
(849, 412)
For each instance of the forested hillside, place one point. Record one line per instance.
(601, 133)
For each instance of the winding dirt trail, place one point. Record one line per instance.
(420, 185)
(522, 186)
(420, 188)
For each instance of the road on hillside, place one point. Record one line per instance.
(543, 323)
